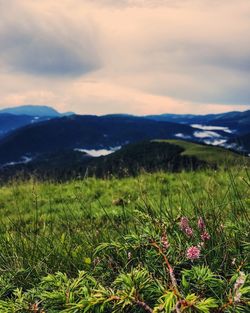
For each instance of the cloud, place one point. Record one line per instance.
(48, 45)
(138, 56)
(117, 4)
(195, 52)
(90, 96)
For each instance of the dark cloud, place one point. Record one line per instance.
(234, 56)
(49, 49)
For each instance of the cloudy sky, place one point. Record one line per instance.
(130, 56)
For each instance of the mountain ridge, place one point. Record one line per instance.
(25, 135)
(34, 110)
(131, 160)
(222, 119)
(89, 132)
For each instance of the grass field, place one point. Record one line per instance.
(155, 243)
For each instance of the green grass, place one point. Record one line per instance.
(211, 154)
(112, 230)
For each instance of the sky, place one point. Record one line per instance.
(126, 56)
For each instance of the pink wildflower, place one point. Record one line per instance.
(164, 242)
(240, 281)
(205, 236)
(238, 284)
(237, 296)
(193, 253)
(201, 223)
(184, 223)
(184, 226)
(189, 231)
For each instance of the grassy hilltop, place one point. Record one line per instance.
(210, 154)
(150, 242)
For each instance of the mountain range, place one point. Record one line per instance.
(83, 132)
(17, 117)
(238, 122)
(31, 134)
(34, 110)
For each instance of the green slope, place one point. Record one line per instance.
(211, 154)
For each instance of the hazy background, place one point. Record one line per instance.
(134, 56)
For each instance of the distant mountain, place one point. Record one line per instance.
(10, 122)
(17, 117)
(84, 132)
(240, 143)
(178, 118)
(238, 122)
(44, 130)
(34, 110)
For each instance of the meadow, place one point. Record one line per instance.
(162, 242)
